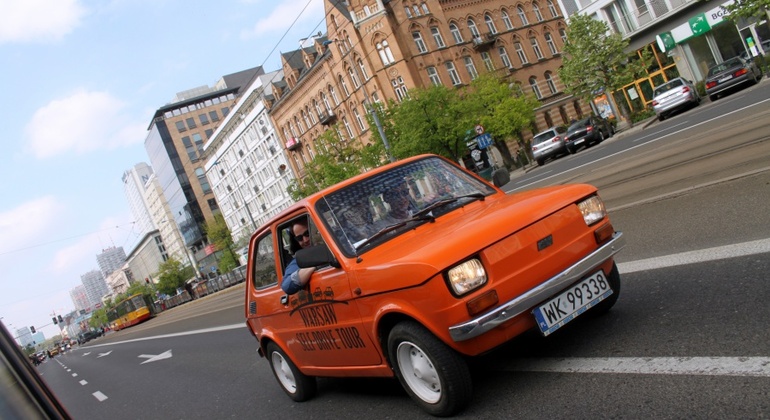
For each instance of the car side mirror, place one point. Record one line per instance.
(316, 256)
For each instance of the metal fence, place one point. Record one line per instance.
(203, 288)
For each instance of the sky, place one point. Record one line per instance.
(81, 80)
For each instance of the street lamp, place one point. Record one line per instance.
(367, 104)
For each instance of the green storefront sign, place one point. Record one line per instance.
(696, 26)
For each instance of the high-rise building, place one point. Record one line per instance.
(134, 186)
(79, 298)
(245, 163)
(174, 145)
(96, 287)
(111, 259)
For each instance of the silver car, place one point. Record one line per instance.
(729, 74)
(674, 95)
(549, 144)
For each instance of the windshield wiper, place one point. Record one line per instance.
(440, 203)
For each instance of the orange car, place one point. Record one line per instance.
(418, 265)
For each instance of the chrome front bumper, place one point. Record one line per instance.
(550, 287)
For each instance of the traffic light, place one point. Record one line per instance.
(61, 321)
(32, 329)
(55, 321)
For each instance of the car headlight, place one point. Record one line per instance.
(467, 276)
(592, 209)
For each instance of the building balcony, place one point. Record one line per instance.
(484, 42)
(293, 144)
(327, 118)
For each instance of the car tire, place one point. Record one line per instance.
(601, 136)
(713, 98)
(540, 162)
(298, 386)
(570, 150)
(604, 306)
(661, 117)
(436, 377)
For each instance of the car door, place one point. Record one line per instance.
(320, 325)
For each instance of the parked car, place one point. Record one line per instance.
(731, 74)
(548, 144)
(674, 95)
(587, 132)
(468, 269)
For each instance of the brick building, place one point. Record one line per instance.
(377, 50)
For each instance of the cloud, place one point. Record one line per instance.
(81, 123)
(38, 20)
(82, 254)
(284, 14)
(25, 225)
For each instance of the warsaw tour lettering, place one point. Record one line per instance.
(326, 339)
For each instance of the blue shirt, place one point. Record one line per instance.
(290, 283)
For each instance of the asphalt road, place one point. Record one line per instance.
(688, 337)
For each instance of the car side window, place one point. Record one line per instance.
(289, 244)
(264, 273)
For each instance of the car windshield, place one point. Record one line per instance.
(725, 66)
(544, 136)
(374, 210)
(668, 86)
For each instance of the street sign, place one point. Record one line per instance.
(484, 141)
(479, 129)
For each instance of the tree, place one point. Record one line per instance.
(172, 275)
(595, 60)
(336, 160)
(429, 121)
(746, 9)
(219, 234)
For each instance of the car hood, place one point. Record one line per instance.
(418, 255)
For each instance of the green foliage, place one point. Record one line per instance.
(172, 275)
(336, 160)
(491, 102)
(595, 59)
(98, 318)
(219, 235)
(747, 9)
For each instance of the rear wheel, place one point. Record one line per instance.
(298, 386)
(713, 98)
(661, 117)
(435, 376)
(540, 162)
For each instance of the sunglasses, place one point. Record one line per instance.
(306, 235)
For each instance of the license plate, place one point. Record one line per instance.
(579, 141)
(575, 300)
(726, 78)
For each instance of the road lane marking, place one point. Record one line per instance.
(703, 255)
(155, 357)
(708, 366)
(83, 382)
(99, 396)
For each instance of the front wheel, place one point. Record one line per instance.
(435, 376)
(298, 386)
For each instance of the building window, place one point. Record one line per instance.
(191, 153)
(416, 10)
(536, 9)
(318, 110)
(506, 19)
(214, 116)
(344, 85)
(421, 48)
(305, 117)
(425, 8)
(399, 88)
(550, 43)
(354, 78)
(433, 76)
(191, 123)
(208, 133)
(520, 52)
(361, 66)
(347, 127)
(204, 119)
(563, 35)
(225, 110)
(504, 57)
(535, 88)
(408, 12)
(474, 30)
(552, 9)
(325, 100)
(450, 68)
(359, 120)
(180, 126)
(536, 48)
(437, 37)
(522, 16)
(334, 95)
(455, 31)
(386, 56)
(310, 115)
(205, 187)
(471, 68)
(487, 59)
(549, 81)
(490, 24)
(299, 125)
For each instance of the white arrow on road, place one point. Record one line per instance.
(153, 357)
(104, 354)
(86, 354)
